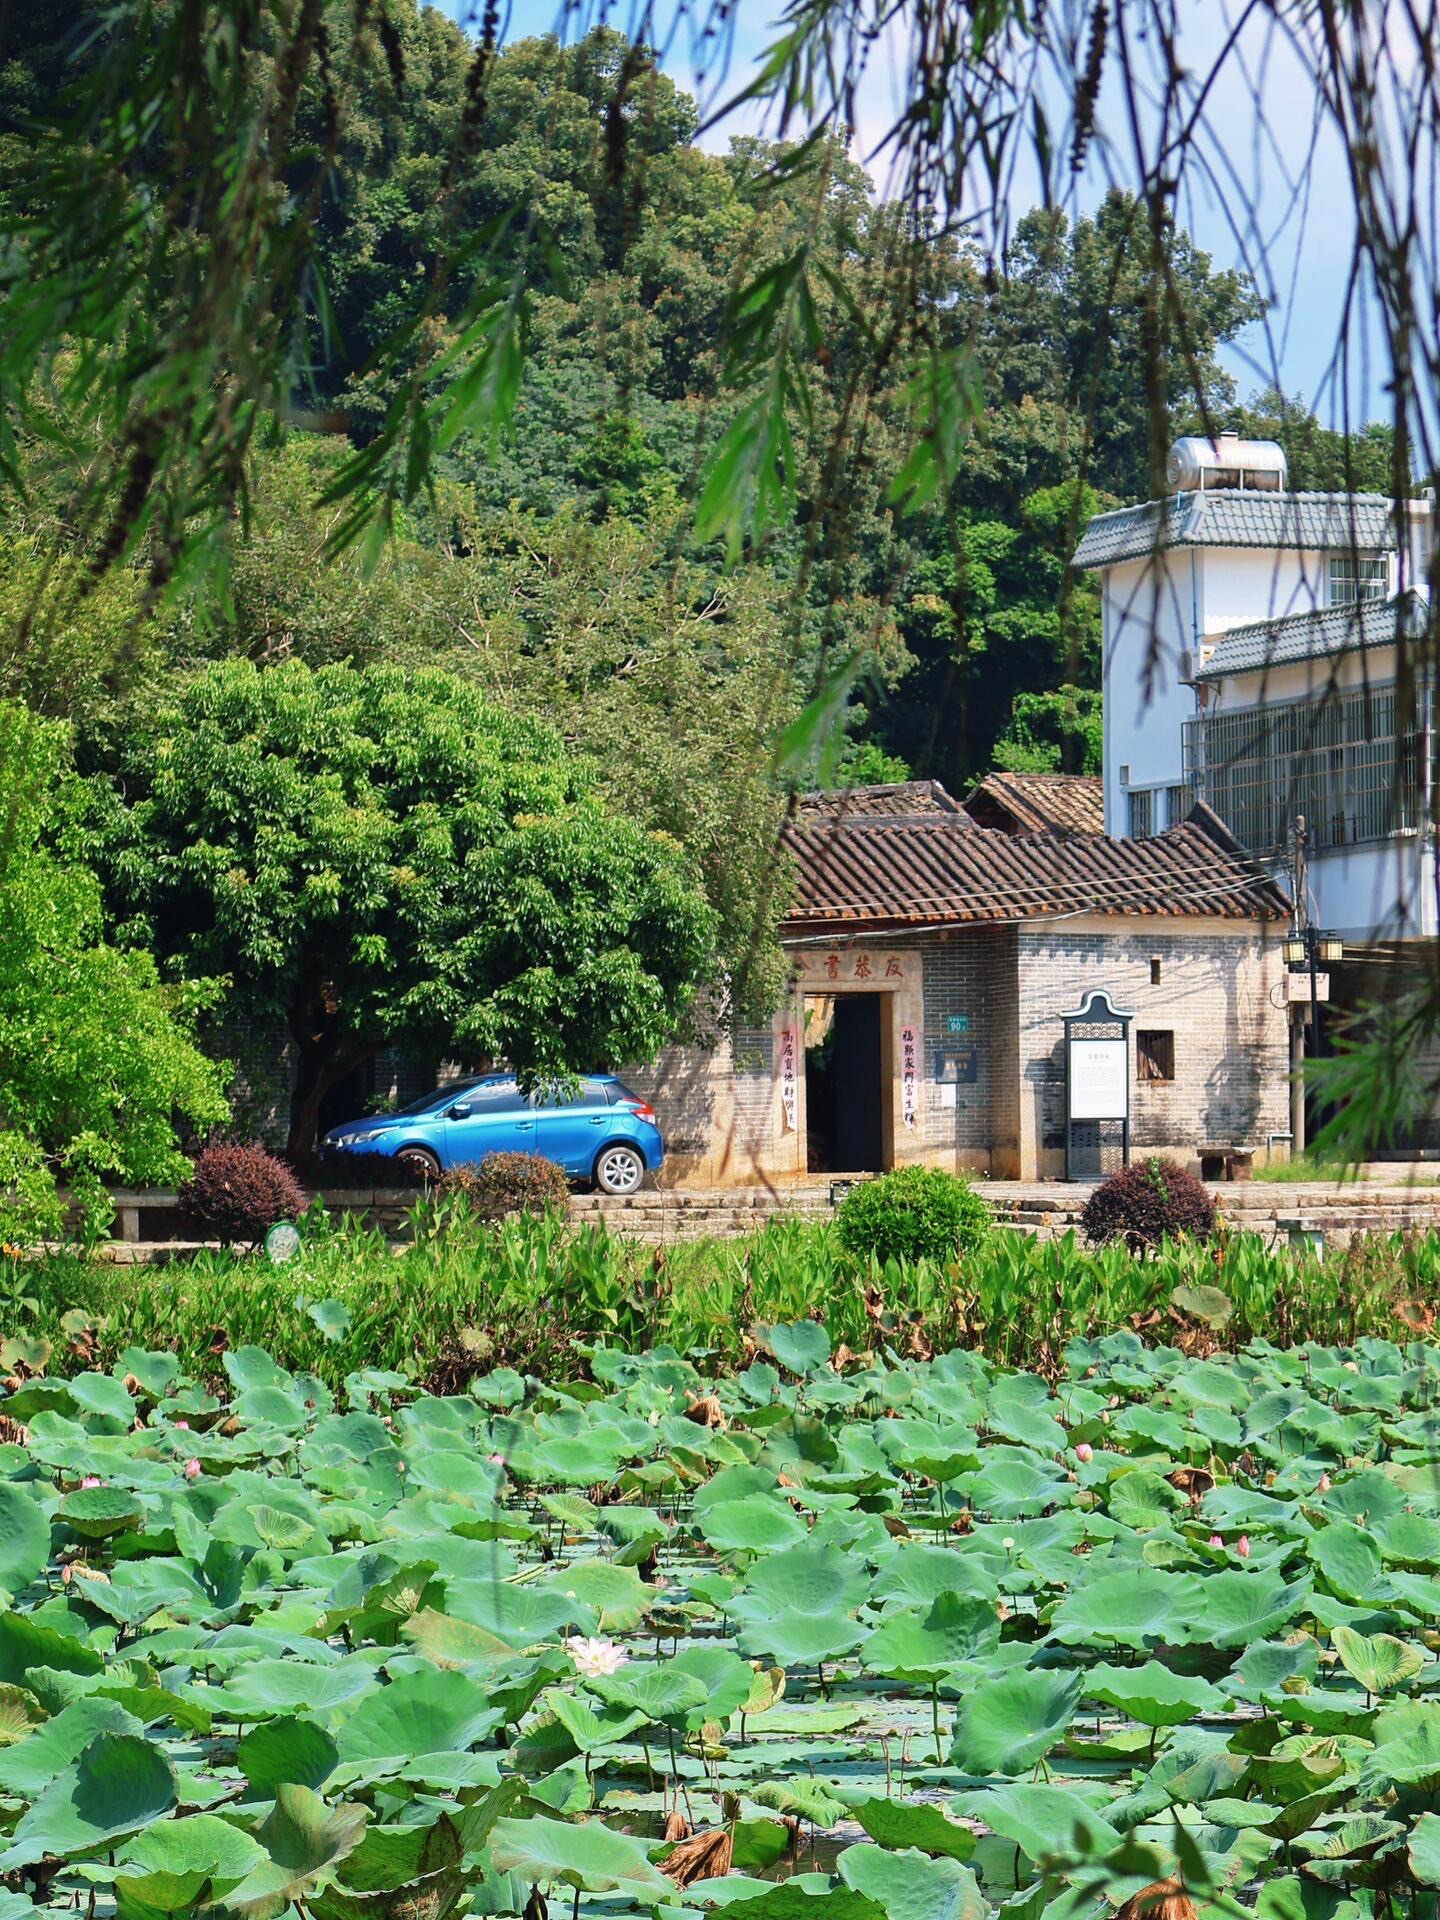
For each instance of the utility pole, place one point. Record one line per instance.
(1297, 1014)
(1305, 947)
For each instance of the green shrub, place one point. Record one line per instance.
(504, 1183)
(1153, 1200)
(914, 1213)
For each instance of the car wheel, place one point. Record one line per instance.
(620, 1169)
(420, 1160)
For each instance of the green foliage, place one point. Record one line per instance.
(368, 1648)
(531, 1291)
(376, 857)
(97, 1057)
(1060, 732)
(913, 1213)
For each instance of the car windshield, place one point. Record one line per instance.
(442, 1096)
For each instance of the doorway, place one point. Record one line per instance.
(845, 1083)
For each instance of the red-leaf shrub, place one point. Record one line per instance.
(508, 1183)
(237, 1193)
(1145, 1203)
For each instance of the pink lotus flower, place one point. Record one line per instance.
(497, 1459)
(183, 1426)
(91, 1480)
(1216, 1541)
(193, 1469)
(1242, 1546)
(1322, 1485)
(1084, 1452)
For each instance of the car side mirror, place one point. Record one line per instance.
(460, 1111)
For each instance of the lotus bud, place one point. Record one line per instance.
(1084, 1453)
(182, 1426)
(1242, 1546)
(193, 1469)
(1216, 1541)
(497, 1459)
(1322, 1485)
(1008, 1543)
(91, 1480)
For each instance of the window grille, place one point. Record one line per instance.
(1358, 576)
(1338, 761)
(1178, 803)
(1142, 813)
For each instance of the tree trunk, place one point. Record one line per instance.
(324, 1058)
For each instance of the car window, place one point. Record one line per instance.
(488, 1097)
(433, 1102)
(592, 1093)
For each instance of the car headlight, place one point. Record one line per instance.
(357, 1139)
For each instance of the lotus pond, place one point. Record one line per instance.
(920, 1639)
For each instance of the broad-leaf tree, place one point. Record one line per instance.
(381, 858)
(97, 1055)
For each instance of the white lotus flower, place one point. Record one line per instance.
(596, 1656)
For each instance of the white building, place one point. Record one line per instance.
(1256, 657)
(1263, 653)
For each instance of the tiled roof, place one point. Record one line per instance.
(1319, 634)
(897, 800)
(1237, 518)
(1039, 802)
(917, 873)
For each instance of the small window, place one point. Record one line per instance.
(1358, 576)
(1154, 1056)
(1142, 814)
(1154, 973)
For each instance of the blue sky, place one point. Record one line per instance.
(1293, 178)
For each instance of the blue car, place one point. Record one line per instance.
(603, 1133)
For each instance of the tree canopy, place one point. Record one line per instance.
(380, 857)
(97, 1057)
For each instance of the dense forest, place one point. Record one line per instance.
(562, 568)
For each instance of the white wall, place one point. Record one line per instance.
(1151, 614)
(1254, 583)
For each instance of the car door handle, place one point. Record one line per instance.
(524, 1126)
(599, 1120)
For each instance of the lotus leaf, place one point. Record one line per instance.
(287, 1748)
(96, 1513)
(1153, 1694)
(119, 1783)
(1040, 1820)
(422, 1712)
(167, 1869)
(802, 1349)
(896, 1823)
(756, 1525)
(1130, 1609)
(304, 1841)
(24, 1538)
(911, 1886)
(1379, 1662)
(1005, 1728)
(28, 1767)
(587, 1855)
(924, 1648)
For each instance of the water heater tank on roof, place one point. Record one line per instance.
(1195, 464)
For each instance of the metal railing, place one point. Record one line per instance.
(1339, 761)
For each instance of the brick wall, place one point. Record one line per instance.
(1213, 994)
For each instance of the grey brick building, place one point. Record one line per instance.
(932, 962)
